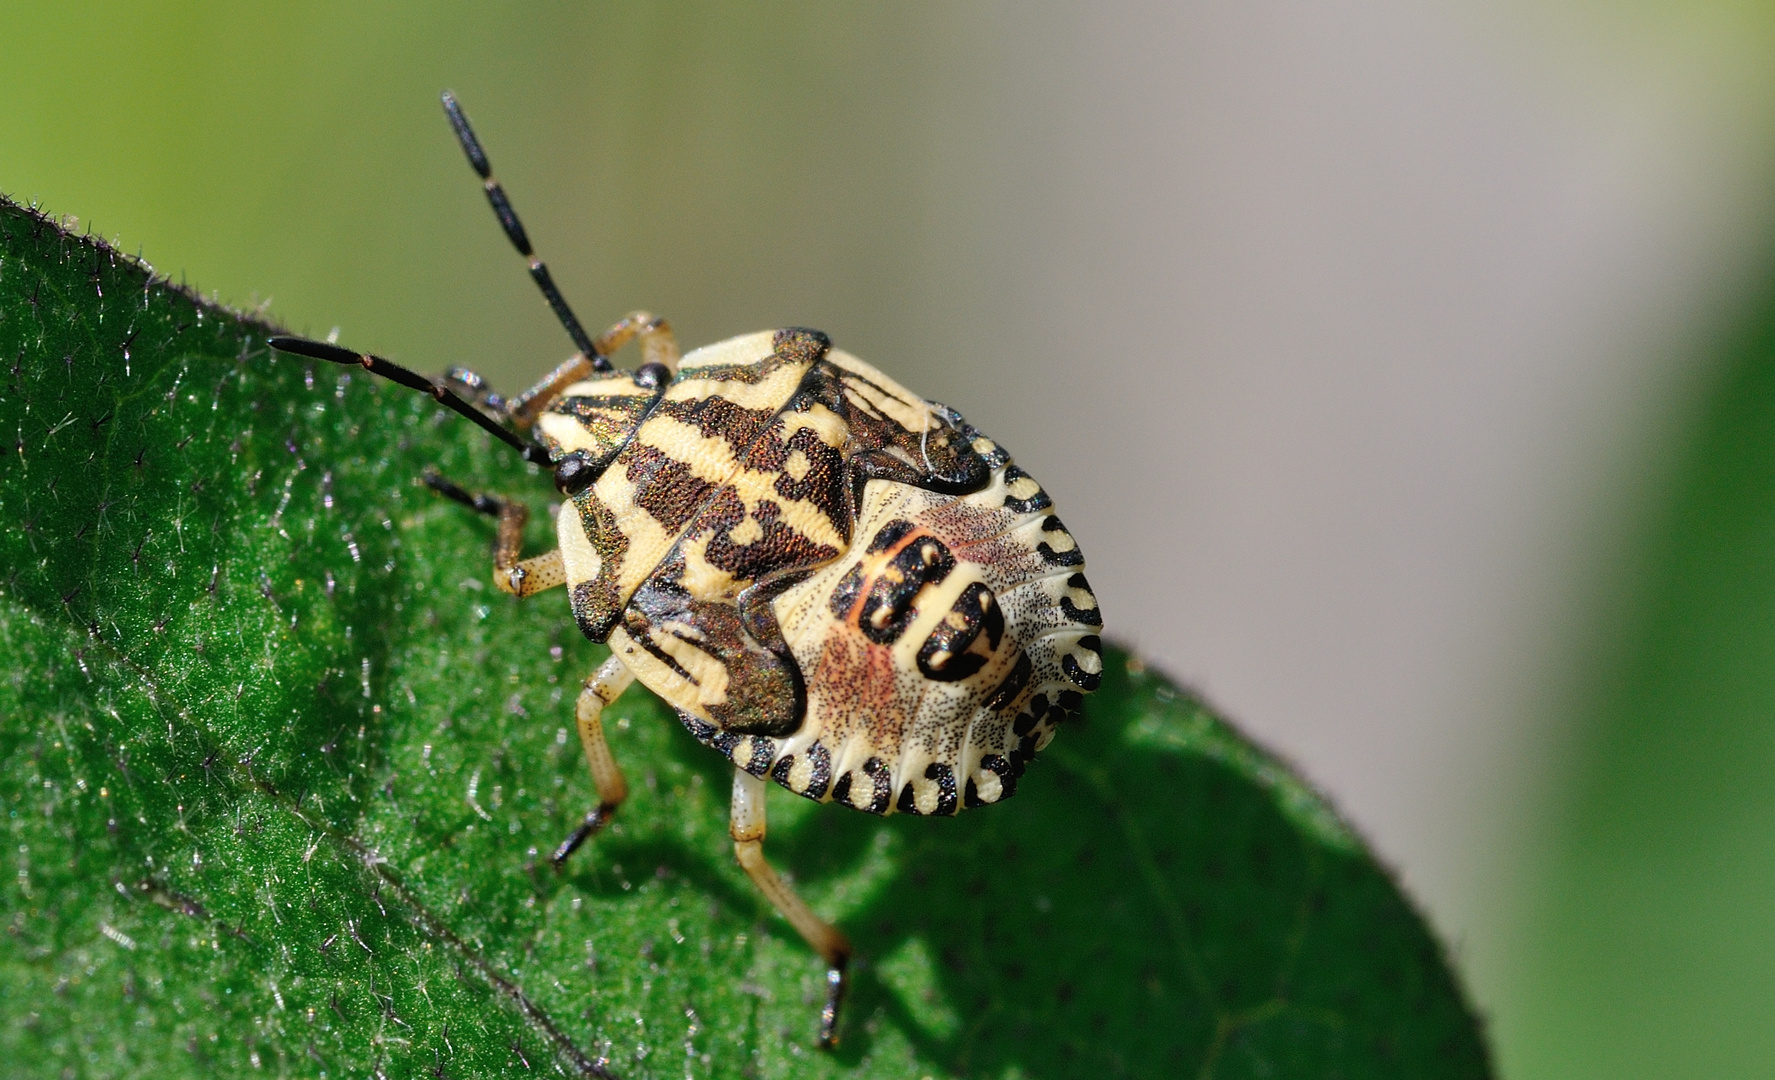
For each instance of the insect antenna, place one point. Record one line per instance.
(514, 230)
(320, 350)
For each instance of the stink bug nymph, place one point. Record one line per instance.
(837, 584)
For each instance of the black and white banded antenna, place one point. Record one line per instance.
(514, 230)
(393, 372)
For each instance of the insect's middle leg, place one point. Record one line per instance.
(604, 687)
(520, 577)
(747, 829)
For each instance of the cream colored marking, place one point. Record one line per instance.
(988, 786)
(702, 578)
(797, 465)
(648, 541)
(810, 521)
(709, 458)
(801, 774)
(579, 559)
(747, 531)
(1089, 662)
(671, 687)
(1060, 541)
(569, 430)
(939, 659)
(800, 515)
(901, 454)
(707, 673)
(984, 446)
(893, 400)
(767, 394)
(608, 387)
(924, 796)
(1024, 487)
(827, 426)
(744, 349)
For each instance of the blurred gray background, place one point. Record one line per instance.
(1351, 339)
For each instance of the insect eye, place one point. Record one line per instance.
(574, 473)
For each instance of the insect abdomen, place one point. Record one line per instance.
(938, 654)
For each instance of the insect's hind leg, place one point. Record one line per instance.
(510, 574)
(604, 687)
(747, 829)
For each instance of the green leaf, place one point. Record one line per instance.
(278, 765)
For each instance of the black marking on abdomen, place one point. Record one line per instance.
(887, 609)
(844, 594)
(725, 741)
(1037, 501)
(822, 759)
(1038, 708)
(888, 535)
(841, 791)
(1007, 691)
(1084, 680)
(1007, 774)
(1090, 616)
(945, 778)
(700, 730)
(763, 750)
(877, 770)
(1080, 615)
(949, 654)
(1070, 557)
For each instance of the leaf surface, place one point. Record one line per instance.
(281, 770)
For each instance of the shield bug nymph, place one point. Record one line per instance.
(837, 584)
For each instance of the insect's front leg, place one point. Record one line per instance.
(604, 687)
(747, 829)
(658, 346)
(520, 577)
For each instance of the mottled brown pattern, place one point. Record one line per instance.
(717, 417)
(595, 601)
(664, 486)
(799, 345)
(763, 693)
(941, 459)
(823, 481)
(941, 624)
(778, 547)
(605, 422)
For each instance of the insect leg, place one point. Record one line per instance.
(658, 346)
(604, 687)
(518, 577)
(747, 829)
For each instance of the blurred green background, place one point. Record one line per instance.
(933, 185)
